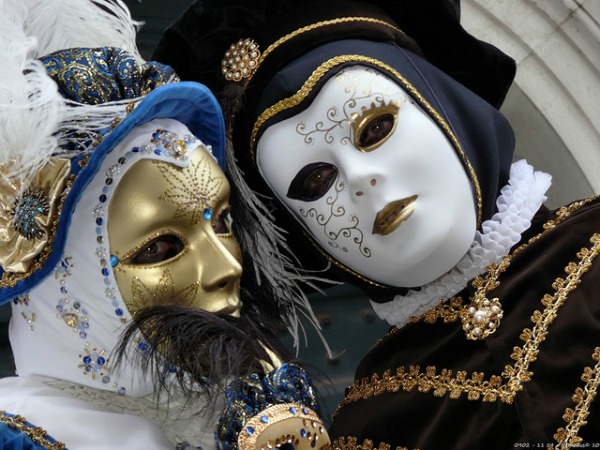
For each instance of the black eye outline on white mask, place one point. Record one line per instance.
(312, 182)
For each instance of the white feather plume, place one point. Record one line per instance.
(29, 100)
(61, 24)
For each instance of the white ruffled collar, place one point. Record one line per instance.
(518, 202)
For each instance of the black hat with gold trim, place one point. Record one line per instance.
(265, 53)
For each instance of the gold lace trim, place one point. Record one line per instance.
(351, 443)
(503, 387)
(453, 309)
(320, 71)
(36, 434)
(583, 397)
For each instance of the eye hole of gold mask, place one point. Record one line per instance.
(156, 250)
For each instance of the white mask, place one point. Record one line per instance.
(363, 148)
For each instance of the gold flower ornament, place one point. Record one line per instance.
(26, 212)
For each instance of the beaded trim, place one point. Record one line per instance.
(306, 428)
(351, 443)
(36, 434)
(503, 387)
(246, 52)
(583, 397)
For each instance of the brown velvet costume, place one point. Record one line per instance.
(530, 384)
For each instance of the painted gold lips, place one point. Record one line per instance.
(393, 215)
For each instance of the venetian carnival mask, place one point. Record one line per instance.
(373, 179)
(169, 228)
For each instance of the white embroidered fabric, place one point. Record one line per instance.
(517, 203)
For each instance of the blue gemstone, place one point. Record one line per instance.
(119, 312)
(143, 346)
(82, 334)
(114, 260)
(208, 213)
(107, 281)
(100, 361)
(108, 181)
(121, 391)
(76, 305)
(99, 221)
(303, 432)
(156, 135)
(63, 289)
(313, 444)
(293, 410)
(87, 359)
(105, 272)
(106, 379)
(102, 198)
(158, 151)
(264, 419)
(250, 430)
(136, 149)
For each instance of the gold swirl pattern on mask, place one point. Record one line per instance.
(163, 293)
(26, 214)
(192, 190)
(36, 434)
(322, 70)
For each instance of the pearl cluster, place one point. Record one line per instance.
(480, 321)
(241, 60)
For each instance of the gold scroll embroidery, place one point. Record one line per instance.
(583, 397)
(36, 434)
(351, 443)
(502, 387)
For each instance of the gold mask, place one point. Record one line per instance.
(170, 229)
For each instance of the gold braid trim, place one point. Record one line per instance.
(351, 443)
(583, 397)
(36, 434)
(503, 387)
(453, 309)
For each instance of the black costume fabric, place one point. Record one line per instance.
(530, 384)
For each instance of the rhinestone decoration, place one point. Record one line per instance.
(31, 204)
(241, 60)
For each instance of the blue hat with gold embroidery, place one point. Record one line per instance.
(81, 103)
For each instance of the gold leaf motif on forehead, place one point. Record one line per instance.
(192, 190)
(241, 60)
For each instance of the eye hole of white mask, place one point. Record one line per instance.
(312, 181)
